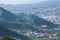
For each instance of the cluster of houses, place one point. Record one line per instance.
(42, 35)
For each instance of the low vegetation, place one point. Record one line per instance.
(6, 38)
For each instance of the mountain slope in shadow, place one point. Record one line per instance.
(4, 32)
(40, 21)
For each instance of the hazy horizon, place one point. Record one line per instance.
(20, 1)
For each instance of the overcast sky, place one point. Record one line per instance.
(19, 1)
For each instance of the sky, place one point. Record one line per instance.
(19, 1)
